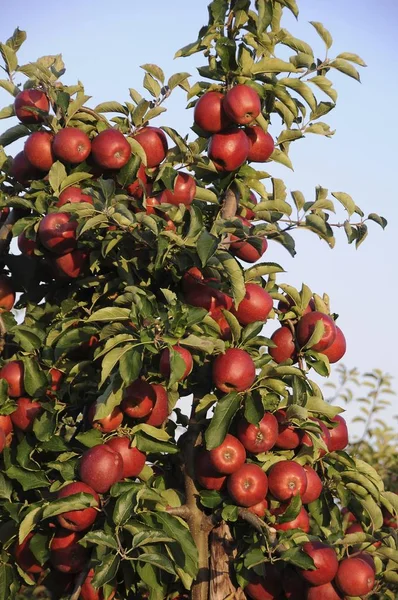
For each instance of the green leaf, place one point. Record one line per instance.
(377, 219)
(29, 522)
(106, 571)
(74, 178)
(234, 273)
(224, 412)
(281, 157)
(56, 176)
(152, 85)
(17, 39)
(272, 65)
(177, 79)
(352, 58)
(5, 488)
(35, 379)
(155, 71)
(206, 246)
(100, 538)
(261, 269)
(157, 560)
(113, 107)
(323, 33)
(13, 134)
(74, 502)
(300, 559)
(9, 57)
(29, 480)
(345, 67)
(123, 510)
(7, 112)
(110, 314)
(301, 88)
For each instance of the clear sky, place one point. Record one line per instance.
(103, 45)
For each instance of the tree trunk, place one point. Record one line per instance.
(222, 553)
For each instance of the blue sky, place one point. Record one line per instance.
(104, 45)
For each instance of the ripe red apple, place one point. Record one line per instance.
(88, 592)
(25, 557)
(30, 98)
(355, 528)
(233, 371)
(209, 113)
(325, 561)
(338, 435)
(324, 436)
(268, 587)
(57, 232)
(73, 194)
(56, 377)
(26, 412)
(110, 149)
(259, 438)
(286, 479)
(154, 143)
(337, 349)
(261, 144)
(243, 249)
(285, 348)
(314, 486)
(355, 577)
(38, 150)
(229, 456)
(78, 520)
(289, 437)
(225, 329)
(248, 485)
(3, 440)
(71, 145)
(351, 517)
(206, 474)
(66, 554)
(6, 424)
(259, 509)
(160, 410)
(198, 293)
(13, 373)
(25, 245)
(136, 189)
(242, 104)
(22, 171)
(165, 367)
(229, 149)
(133, 459)
(183, 192)
(70, 265)
(100, 467)
(107, 424)
(305, 329)
(367, 558)
(138, 399)
(7, 294)
(255, 306)
(327, 591)
(302, 521)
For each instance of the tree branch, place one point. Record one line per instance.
(6, 230)
(230, 205)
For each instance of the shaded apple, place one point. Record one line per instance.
(325, 561)
(66, 554)
(73, 194)
(233, 371)
(183, 191)
(26, 246)
(302, 521)
(100, 467)
(89, 592)
(306, 326)
(229, 456)
(160, 410)
(139, 185)
(255, 306)
(338, 435)
(7, 294)
(70, 265)
(355, 577)
(198, 293)
(38, 150)
(286, 479)
(56, 377)
(259, 509)
(25, 557)
(154, 143)
(294, 586)
(209, 113)
(23, 171)
(242, 104)
(205, 473)
(13, 373)
(285, 348)
(268, 587)
(57, 232)
(229, 149)
(314, 486)
(6, 424)
(337, 349)
(259, 438)
(138, 399)
(133, 459)
(289, 437)
(248, 485)
(31, 98)
(327, 591)
(110, 149)
(389, 520)
(107, 424)
(3, 440)
(165, 367)
(26, 412)
(71, 145)
(261, 144)
(244, 248)
(78, 520)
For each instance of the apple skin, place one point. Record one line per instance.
(138, 399)
(22, 171)
(355, 577)
(26, 412)
(78, 520)
(133, 459)
(57, 233)
(286, 479)
(285, 347)
(6, 424)
(70, 265)
(160, 410)
(209, 113)
(73, 194)
(302, 521)
(261, 144)
(3, 440)
(242, 104)
(7, 294)
(255, 306)
(225, 329)
(289, 437)
(198, 293)
(243, 249)
(314, 486)
(110, 149)
(107, 424)
(13, 373)
(25, 245)
(136, 189)
(325, 561)
(154, 143)
(248, 485)
(327, 591)
(164, 365)
(233, 371)
(25, 557)
(229, 149)
(66, 554)
(34, 99)
(100, 467)
(259, 509)
(259, 438)
(56, 377)
(88, 592)
(71, 145)
(305, 329)
(38, 150)
(338, 435)
(336, 351)
(183, 192)
(324, 436)
(229, 456)
(268, 587)
(205, 473)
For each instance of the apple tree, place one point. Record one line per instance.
(137, 270)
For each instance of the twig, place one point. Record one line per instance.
(179, 511)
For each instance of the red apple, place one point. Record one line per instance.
(233, 371)
(355, 577)
(3, 440)
(229, 456)
(351, 517)
(88, 592)
(355, 528)
(325, 561)
(138, 399)
(100, 467)
(306, 326)
(165, 367)
(78, 520)
(268, 587)
(248, 485)
(209, 113)
(243, 249)
(314, 486)
(336, 351)
(289, 437)
(73, 194)
(255, 306)
(56, 377)
(13, 373)
(259, 438)
(6, 424)
(22, 171)
(30, 98)
(229, 149)
(338, 435)
(160, 410)
(259, 509)
(183, 192)
(154, 143)
(198, 293)
(261, 144)
(66, 554)
(25, 557)
(110, 149)
(57, 232)
(242, 104)
(327, 591)
(302, 521)
(324, 436)
(367, 558)
(106, 424)
(7, 294)
(286, 479)
(70, 265)
(133, 459)
(225, 329)
(285, 348)
(25, 245)
(205, 473)
(38, 150)
(26, 412)
(71, 145)
(136, 189)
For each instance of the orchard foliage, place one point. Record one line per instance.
(133, 283)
